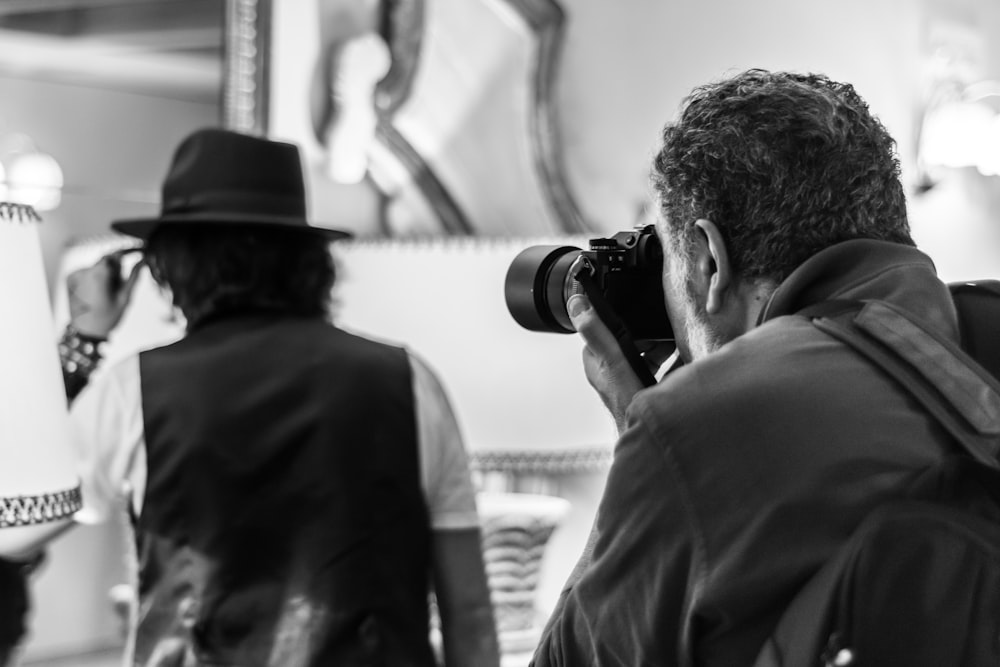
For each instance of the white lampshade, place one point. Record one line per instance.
(513, 390)
(38, 481)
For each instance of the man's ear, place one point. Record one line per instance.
(713, 265)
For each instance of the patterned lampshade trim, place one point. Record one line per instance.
(43, 508)
(14, 212)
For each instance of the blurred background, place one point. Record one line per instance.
(448, 134)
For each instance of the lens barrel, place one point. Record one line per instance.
(535, 287)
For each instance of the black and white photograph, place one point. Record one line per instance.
(499, 333)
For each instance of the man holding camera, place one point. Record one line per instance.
(739, 473)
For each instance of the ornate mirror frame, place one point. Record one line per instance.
(245, 72)
(246, 107)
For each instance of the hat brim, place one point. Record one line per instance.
(143, 228)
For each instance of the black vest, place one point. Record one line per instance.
(283, 523)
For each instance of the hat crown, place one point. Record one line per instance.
(219, 171)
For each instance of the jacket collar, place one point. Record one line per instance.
(861, 270)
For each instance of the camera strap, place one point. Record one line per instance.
(621, 333)
(961, 395)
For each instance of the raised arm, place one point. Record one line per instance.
(98, 297)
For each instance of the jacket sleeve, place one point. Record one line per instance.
(626, 602)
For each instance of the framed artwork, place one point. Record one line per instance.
(414, 117)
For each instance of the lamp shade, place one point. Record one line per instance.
(38, 481)
(513, 390)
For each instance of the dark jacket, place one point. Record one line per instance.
(740, 474)
(13, 606)
(283, 523)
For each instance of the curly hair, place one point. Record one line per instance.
(211, 269)
(785, 165)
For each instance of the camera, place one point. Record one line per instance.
(624, 270)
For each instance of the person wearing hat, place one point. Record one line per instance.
(296, 490)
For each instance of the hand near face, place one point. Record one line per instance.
(99, 294)
(606, 367)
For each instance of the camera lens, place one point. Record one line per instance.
(535, 287)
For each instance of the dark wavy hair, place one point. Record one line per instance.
(785, 165)
(214, 269)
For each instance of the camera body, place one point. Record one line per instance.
(625, 269)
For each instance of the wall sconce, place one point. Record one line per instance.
(27, 175)
(961, 128)
(39, 487)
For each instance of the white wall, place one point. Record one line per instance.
(628, 64)
(617, 91)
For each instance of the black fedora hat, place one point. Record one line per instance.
(221, 177)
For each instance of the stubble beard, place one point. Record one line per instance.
(699, 337)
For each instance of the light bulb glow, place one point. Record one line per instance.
(988, 160)
(35, 179)
(952, 134)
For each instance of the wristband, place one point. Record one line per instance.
(79, 353)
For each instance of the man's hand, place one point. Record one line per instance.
(604, 363)
(98, 295)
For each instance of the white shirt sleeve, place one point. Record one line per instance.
(444, 464)
(108, 440)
